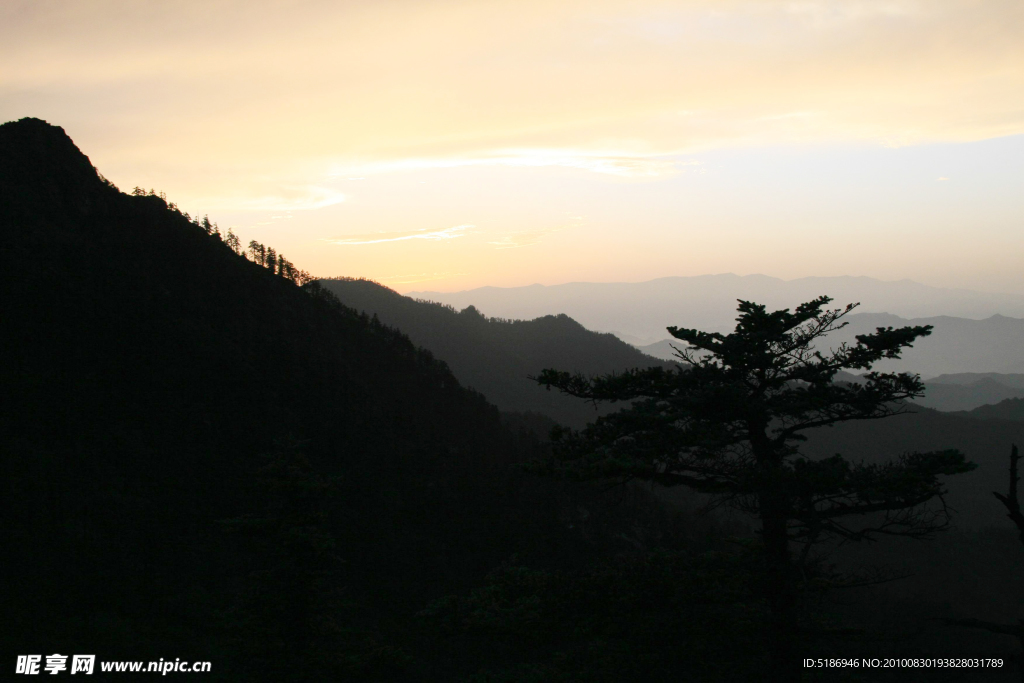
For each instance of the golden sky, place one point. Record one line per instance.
(510, 142)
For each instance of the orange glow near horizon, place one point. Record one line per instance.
(463, 144)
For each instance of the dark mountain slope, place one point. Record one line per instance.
(968, 391)
(985, 442)
(201, 458)
(1010, 409)
(956, 397)
(497, 356)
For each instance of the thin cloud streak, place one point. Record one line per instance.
(296, 199)
(608, 163)
(515, 240)
(377, 238)
(526, 238)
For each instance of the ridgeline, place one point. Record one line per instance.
(498, 357)
(203, 459)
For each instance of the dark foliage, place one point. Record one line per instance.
(1011, 503)
(661, 617)
(730, 422)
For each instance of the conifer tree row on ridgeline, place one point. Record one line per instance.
(256, 252)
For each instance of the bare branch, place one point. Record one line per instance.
(1010, 501)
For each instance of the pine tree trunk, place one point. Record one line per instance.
(780, 578)
(780, 589)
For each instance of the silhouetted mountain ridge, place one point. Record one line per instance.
(46, 174)
(1008, 409)
(496, 356)
(202, 457)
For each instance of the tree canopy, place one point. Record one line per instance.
(729, 420)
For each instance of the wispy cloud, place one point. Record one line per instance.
(525, 238)
(614, 163)
(616, 88)
(514, 240)
(422, 234)
(832, 15)
(629, 166)
(288, 198)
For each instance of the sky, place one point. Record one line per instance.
(452, 145)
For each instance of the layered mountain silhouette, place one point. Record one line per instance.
(1008, 409)
(972, 330)
(202, 458)
(983, 390)
(496, 353)
(498, 357)
(639, 312)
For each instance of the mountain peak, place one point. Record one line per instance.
(43, 171)
(33, 144)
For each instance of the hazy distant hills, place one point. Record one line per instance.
(956, 345)
(642, 310)
(985, 391)
(495, 356)
(994, 344)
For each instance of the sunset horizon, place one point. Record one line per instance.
(456, 145)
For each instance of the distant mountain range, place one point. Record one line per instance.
(956, 346)
(497, 357)
(994, 344)
(970, 391)
(639, 312)
(966, 394)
